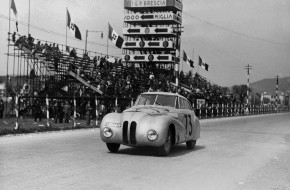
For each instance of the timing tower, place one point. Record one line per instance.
(152, 31)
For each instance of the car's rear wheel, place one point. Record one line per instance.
(191, 144)
(113, 147)
(165, 149)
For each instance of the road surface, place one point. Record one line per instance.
(233, 153)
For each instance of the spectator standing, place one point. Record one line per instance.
(102, 110)
(30, 41)
(60, 112)
(66, 110)
(14, 37)
(88, 113)
(73, 53)
(1, 108)
(37, 111)
(55, 111)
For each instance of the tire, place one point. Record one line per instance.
(165, 149)
(190, 144)
(113, 147)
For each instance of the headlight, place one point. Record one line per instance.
(107, 132)
(152, 135)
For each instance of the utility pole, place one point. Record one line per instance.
(248, 68)
(277, 87)
(87, 33)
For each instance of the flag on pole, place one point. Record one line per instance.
(73, 27)
(187, 60)
(115, 38)
(13, 7)
(203, 64)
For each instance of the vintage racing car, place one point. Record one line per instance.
(157, 119)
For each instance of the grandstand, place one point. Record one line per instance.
(53, 71)
(150, 62)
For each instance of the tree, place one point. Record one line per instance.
(240, 91)
(266, 100)
(10, 90)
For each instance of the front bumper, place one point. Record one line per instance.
(132, 136)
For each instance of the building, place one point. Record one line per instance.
(282, 98)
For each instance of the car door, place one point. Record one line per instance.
(189, 117)
(185, 116)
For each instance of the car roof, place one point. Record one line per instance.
(164, 93)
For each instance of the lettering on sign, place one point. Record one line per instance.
(163, 16)
(148, 3)
(199, 103)
(157, 16)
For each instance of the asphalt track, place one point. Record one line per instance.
(233, 153)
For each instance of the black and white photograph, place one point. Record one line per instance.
(145, 94)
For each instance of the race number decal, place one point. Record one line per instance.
(188, 125)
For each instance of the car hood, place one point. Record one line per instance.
(151, 111)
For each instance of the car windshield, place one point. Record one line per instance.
(157, 99)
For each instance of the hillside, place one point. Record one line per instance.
(269, 85)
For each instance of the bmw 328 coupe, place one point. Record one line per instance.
(157, 119)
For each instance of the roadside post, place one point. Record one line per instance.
(47, 110)
(116, 104)
(17, 112)
(75, 111)
(97, 113)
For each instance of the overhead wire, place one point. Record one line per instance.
(55, 33)
(237, 33)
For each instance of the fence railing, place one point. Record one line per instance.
(231, 111)
(119, 104)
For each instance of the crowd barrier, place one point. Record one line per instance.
(99, 106)
(238, 110)
(86, 108)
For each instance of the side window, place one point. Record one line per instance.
(177, 106)
(180, 103)
(184, 104)
(187, 105)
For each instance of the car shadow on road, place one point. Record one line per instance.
(177, 150)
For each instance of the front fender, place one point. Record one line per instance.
(116, 127)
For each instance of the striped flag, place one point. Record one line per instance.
(187, 60)
(73, 27)
(115, 38)
(203, 64)
(13, 7)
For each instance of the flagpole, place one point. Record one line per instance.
(66, 29)
(198, 66)
(182, 64)
(8, 56)
(9, 14)
(28, 18)
(192, 58)
(108, 40)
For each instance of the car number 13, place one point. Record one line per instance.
(188, 125)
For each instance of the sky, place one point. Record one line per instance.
(227, 34)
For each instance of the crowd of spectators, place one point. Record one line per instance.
(119, 79)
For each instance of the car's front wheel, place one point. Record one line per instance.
(165, 149)
(113, 147)
(191, 144)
